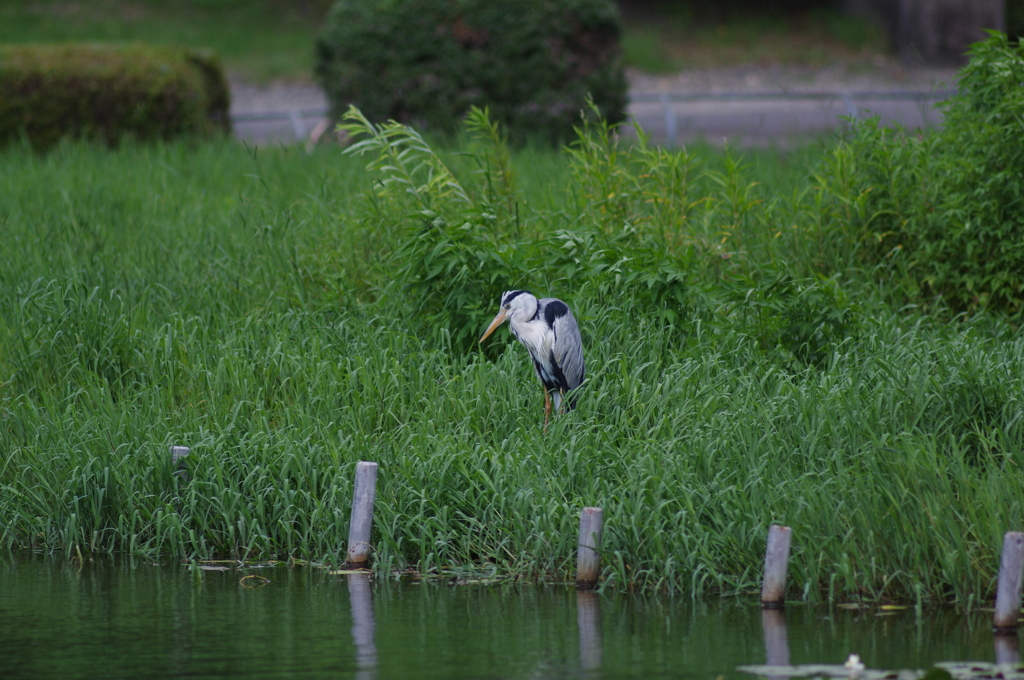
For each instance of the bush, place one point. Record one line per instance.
(654, 240)
(109, 91)
(945, 207)
(426, 63)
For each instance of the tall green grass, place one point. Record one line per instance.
(262, 308)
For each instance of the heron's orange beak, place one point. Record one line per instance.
(498, 320)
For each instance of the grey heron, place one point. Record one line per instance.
(548, 330)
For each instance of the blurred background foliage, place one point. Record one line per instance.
(109, 91)
(534, 63)
(754, 353)
(278, 312)
(267, 39)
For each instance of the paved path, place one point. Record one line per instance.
(743, 106)
(773, 119)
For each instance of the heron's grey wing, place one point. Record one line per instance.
(568, 349)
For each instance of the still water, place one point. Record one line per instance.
(138, 620)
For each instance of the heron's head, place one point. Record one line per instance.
(511, 301)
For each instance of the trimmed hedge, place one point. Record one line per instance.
(107, 92)
(424, 63)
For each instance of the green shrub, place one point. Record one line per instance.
(972, 250)
(647, 227)
(947, 207)
(108, 92)
(425, 63)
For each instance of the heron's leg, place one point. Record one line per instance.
(547, 408)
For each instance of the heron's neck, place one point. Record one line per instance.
(527, 312)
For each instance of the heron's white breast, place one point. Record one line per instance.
(537, 337)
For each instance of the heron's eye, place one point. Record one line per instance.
(508, 305)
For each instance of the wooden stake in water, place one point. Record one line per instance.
(178, 456)
(588, 552)
(776, 563)
(1011, 564)
(362, 514)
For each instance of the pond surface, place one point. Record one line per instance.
(137, 620)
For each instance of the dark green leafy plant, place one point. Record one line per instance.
(636, 232)
(453, 262)
(801, 319)
(646, 228)
(426, 63)
(256, 310)
(971, 250)
(944, 210)
(495, 160)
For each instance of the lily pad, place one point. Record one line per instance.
(830, 671)
(946, 670)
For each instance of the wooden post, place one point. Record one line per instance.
(361, 522)
(1008, 591)
(588, 555)
(178, 456)
(588, 618)
(776, 563)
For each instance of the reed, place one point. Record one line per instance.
(247, 304)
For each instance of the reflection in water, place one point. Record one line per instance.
(1007, 649)
(588, 618)
(137, 620)
(363, 626)
(776, 642)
